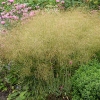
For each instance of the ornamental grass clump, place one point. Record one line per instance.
(51, 40)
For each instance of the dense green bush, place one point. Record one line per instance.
(86, 82)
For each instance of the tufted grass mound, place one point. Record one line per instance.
(51, 40)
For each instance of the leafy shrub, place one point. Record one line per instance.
(8, 77)
(86, 82)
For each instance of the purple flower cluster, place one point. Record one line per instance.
(17, 12)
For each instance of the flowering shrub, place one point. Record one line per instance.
(10, 12)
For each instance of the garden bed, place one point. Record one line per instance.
(44, 47)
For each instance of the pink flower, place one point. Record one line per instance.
(32, 13)
(20, 6)
(11, 17)
(2, 13)
(14, 17)
(70, 62)
(11, 13)
(2, 22)
(5, 16)
(62, 1)
(3, 3)
(23, 5)
(17, 7)
(8, 14)
(11, 1)
(57, 0)
(25, 10)
(25, 15)
(4, 32)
